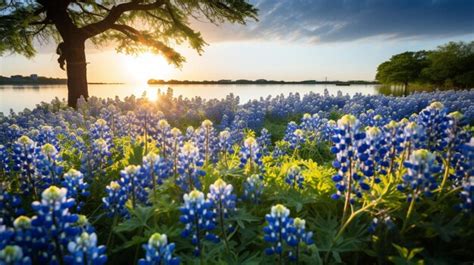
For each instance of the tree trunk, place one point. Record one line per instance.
(76, 68)
(405, 89)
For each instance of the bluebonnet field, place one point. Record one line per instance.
(317, 179)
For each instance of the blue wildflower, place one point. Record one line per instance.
(253, 188)
(159, 251)
(84, 250)
(198, 218)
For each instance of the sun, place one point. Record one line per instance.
(146, 66)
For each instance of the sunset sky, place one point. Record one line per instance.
(294, 40)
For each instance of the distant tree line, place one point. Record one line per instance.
(258, 81)
(449, 66)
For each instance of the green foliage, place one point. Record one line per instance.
(449, 66)
(134, 26)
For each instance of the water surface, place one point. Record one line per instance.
(19, 97)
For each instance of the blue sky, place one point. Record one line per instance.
(293, 40)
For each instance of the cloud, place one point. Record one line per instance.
(348, 20)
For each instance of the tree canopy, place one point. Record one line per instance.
(133, 26)
(449, 66)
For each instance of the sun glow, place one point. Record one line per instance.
(146, 66)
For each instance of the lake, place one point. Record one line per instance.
(19, 97)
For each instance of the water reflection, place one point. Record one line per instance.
(18, 97)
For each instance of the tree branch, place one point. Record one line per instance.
(114, 15)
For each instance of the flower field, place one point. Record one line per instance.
(314, 179)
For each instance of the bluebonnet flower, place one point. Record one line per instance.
(421, 175)
(278, 229)
(198, 218)
(251, 155)
(327, 129)
(374, 160)
(23, 235)
(311, 126)
(100, 130)
(294, 136)
(13, 255)
(159, 251)
(294, 178)
(23, 158)
(394, 140)
(206, 141)
(134, 184)
(154, 170)
(467, 182)
(84, 250)
(189, 168)
(76, 186)
(434, 120)
(53, 225)
(297, 236)
(225, 143)
(189, 135)
(48, 166)
(455, 143)
(95, 159)
(114, 202)
(253, 188)
(10, 206)
(412, 138)
(224, 202)
(348, 147)
(176, 141)
(47, 135)
(4, 161)
(265, 141)
(162, 136)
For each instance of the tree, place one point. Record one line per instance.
(402, 68)
(133, 26)
(451, 64)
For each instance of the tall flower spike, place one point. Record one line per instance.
(265, 141)
(253, 188)
(23, 158)
(158, 251)
(251, 155)
(24, 234)
(163, 133)
(154, 170)
(114, 202)
(348, 145)
(134, 184)
(374, 162)
(53, 225)
(298, 235)
(84, 250)
(198, 218)
(277, 229)
(223, 201)
(4, 161)
(76, 186)
(13, 254)
(294, 178)
(10, 206)
(189, 167)
(48, 166)
(421, 175)
(434, 120)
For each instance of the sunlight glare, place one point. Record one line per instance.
(147, 66)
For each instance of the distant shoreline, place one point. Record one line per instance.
(260, 82)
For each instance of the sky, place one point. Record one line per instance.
(293, 40)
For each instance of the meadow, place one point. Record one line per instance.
(313, 179)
